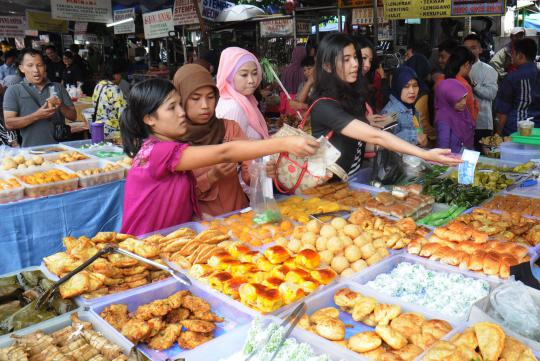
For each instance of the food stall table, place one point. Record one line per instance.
(33, 228)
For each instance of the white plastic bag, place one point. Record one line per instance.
(261, 195)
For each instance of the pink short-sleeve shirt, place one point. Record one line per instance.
(156, 195)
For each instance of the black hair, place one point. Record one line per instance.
(113, 68)
(50, 46)
(527, 47)
(308, 61)
(144, 99)
(461, 55)
(364, 42)
(12, 53)
(28, 51)
(448, 46)
(68, 54)
(351, 97)
(473, 37)
(74, 48)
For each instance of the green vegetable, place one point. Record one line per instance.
(447, 192)
(441, 218)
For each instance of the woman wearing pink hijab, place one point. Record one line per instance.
(239, 75)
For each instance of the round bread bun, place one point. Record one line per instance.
(364, 341)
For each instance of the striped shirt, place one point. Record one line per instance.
(519, 97)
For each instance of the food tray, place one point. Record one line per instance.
(107, 148)
(57, 323)
(326, 299)
(92, 180)
(42, 190)
(365, 187)
(533, 139)
(234, 317)
(11, 195)
(232, 342)
(388, 264)
(48, 149)
(197, 227)
(53, 157)
(77, 144)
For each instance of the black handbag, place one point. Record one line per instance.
(388, 167)
(61, 131)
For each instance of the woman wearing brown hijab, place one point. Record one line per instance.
(218, 187)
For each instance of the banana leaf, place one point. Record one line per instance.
(26, 316)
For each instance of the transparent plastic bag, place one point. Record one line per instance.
(413, 166)
(513, 305)
(261, 195)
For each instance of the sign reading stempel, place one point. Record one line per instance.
(210, 9)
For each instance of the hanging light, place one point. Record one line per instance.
(123, 21)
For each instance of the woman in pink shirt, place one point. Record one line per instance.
(160, 187)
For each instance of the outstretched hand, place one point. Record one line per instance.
(301, 147)
(442, 156)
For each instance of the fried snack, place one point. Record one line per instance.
(115, 315)
(516, 351)
(194, 304)
(392, 337)
(156, 324)
(177, 315)
(76, 285)
(364, 341)
(189, 340)
(437, 328)
(61, 263)
(409, 352)
(374, 354)
(324, 313)
(408, 324)
(165, 338)
(198, 325)
(363, 307)
(136, 330)
(346, 299)
(385, 313)
(490, 340)
(331, 328)
(423, 340)
(121, 261)
(466, 339)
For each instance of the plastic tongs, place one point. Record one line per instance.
(293, 318)
(110, 248)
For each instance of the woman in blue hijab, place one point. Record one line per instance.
(404, 92)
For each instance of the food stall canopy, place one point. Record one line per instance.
(532, 21)
(239, 13)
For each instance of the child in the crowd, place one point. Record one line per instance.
(218, 187)
(160, 187)
(455, 126)
(402, 99)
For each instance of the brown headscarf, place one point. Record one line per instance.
(187, 79)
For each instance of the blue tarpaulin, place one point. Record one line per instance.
(532, 21)
(34, 228)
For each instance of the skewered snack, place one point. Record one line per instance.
(482, 341)
(75, 342)
(264, 282)
(181, 318)
(19, 293)
(241, 227)
(403, 336)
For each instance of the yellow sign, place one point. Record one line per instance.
(357, 3)
(41, 20)
(412, 9)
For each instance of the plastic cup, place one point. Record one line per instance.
(98, 132)
(525, 127)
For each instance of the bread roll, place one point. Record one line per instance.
(308, 258)
(408, 324)
(492, 263)
(476, 262)
(392, 337)
(385, 313)
(277, 254)
(408, 353)
(363, 307)
(346, 298)
(217, 279)
(322, 313)
(290, 292)
(324, 276)
(331, 328)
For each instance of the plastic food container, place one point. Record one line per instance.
(519, 152)
(326, 299)
(77, 144)
(57, 323)
(197, 227)
(53, 157)
(387, 265)
(232, 342)
(233, 316)
(47, 189)
(95, 179)
(104, 152)
(11, 195)
(48, 149)
(525, 128)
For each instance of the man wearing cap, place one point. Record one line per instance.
(502, 60)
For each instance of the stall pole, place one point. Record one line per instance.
(294, 26)
(184, 43)
(375, 23)
(317, 29)
(339, 19)
(202, 24)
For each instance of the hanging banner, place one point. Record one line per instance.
(80, 27)
(67, 40)
(364, 16)
(11, 26)
(185, 13)
(157, 24)
(412, 9)
(90, 38)
(41, 20)
(358, 3)
(475, 7)
(210, 9)
(126, 28)
(94, 11)
(277, 28)
(303, 28)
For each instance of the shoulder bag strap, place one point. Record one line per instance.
(308, 112)
(97, 102)
(29, 92)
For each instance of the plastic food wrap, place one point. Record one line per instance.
(514, 306)
(261, 196)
